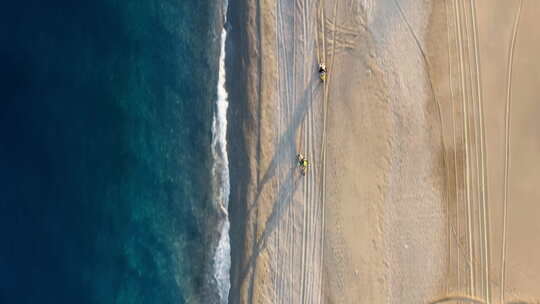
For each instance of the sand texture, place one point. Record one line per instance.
(423, 144)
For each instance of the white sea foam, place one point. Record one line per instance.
(222, 257)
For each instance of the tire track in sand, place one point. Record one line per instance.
(285, 260)
(317, 248)
(307, 179)
(458, 194)
(312, 268)
(318, 232)
(279, 263)
(476, 101)
(458, 298)
(322, 156)
(452, 102)
(320, 21)
(483, 169)
(466, 144)
(285, 100)
(282, 103)
(310, 221)
(507, 145)
(326, 90)
(314, 221)
(476, 213)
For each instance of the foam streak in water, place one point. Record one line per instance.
(222, 257)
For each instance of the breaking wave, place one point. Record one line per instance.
(220, 170)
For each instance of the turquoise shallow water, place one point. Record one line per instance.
(105, 151)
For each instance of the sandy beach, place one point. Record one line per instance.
(422, 146)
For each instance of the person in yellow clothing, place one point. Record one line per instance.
(303, 163)
(322, 71)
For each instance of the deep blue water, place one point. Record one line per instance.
(105, 130)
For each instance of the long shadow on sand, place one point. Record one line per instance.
(283, 199)
(285, 151)
(286, 142)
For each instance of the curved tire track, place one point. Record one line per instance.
(507, 145)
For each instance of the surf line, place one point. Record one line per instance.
(221, 179)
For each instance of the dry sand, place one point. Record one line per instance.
(423, 146)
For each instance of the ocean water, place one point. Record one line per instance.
(113, 164)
